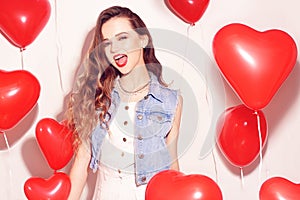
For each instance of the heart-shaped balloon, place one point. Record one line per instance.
(55, 141)
(19, 92)
(255, 64)
(239, 134)
(190, 11)
(22, 21)
(278, 188)
(57, 187)
(170, 184)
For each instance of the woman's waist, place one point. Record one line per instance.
(116, 172)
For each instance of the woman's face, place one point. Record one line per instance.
(123, 46)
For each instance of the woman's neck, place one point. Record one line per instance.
(135, 79)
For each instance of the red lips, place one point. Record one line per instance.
(121, 59)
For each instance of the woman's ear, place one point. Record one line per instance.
(144, 41)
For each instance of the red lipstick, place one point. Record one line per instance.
(121, 59)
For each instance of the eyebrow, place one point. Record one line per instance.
(117, 35)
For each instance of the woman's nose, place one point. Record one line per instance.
(114, 47)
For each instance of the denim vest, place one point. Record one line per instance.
(154, 116)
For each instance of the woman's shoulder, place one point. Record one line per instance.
(163, 90)
(171, 94)
(169, 89)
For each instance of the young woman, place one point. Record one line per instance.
(125, 118)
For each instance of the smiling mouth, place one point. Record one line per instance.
(121, 60)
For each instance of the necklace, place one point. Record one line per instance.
(135, 92)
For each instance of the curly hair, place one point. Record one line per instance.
(91, 98)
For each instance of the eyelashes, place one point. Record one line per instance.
(119, 38)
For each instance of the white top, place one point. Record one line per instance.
(117, 151)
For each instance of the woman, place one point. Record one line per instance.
(125, 119)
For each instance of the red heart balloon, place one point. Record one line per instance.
(22, 21)
(239, 135)
(189, 11)
(278, 188)
(55, 141)
(19, 92)
(170, 184)
(57, 187)
(254, 63)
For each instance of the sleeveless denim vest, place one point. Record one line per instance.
(154, 115)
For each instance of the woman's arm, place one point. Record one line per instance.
(79, 172)
(172, 137)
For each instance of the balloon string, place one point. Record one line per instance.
(205, 77)
(260, 144)
(210, 109)
(22, 57)
(186, 46)
(58, 47)
(6, 141)
(215, 165)
(10, 171)
(242, 177)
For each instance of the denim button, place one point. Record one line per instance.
(159, 118)
(141, 156)
(143, 179)
(140, 117)
(139, 137)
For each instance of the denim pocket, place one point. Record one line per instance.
(159, 117)
(158, 123)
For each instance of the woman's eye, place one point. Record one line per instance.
(106, 44)
(123, 37)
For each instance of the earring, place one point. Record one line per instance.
(143, 43)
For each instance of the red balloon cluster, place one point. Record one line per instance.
(255, 64)
(170, 184)
(55, 141)
(22, 21)
(19, 92)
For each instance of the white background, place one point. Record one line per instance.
(61, 45)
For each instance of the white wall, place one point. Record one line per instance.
(64, 40)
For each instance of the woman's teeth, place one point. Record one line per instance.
(120, 60)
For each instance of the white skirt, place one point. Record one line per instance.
(114, 185)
